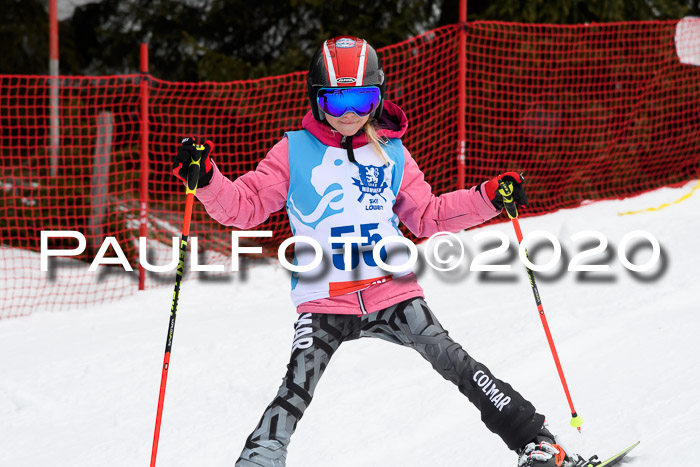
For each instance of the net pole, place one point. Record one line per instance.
(53, 86)
(462, 96)
(143, 217)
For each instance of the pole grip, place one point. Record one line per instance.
(506, 191)
(193, 170)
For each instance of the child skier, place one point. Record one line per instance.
(348, 174)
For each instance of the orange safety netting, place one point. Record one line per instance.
(587, 112)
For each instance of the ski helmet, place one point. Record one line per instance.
(341, 62)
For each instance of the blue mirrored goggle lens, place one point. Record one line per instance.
(339, 101)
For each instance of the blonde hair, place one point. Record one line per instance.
(376, 140)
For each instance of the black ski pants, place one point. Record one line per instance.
(411, 323)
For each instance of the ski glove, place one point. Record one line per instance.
(191, 149)
(514, 178)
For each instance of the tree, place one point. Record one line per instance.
(27, 52)
(232, 39)
(583, 11)
(223, 40)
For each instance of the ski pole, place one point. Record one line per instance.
(191, 189)
(506, 190)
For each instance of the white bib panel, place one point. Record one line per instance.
(329, 196)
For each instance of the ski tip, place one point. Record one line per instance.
(628, 449)
(614, 459)
(633, 446)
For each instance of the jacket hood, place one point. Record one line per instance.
(392, 124)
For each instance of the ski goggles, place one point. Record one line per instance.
(336, 102)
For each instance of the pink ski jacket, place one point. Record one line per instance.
(250, 199)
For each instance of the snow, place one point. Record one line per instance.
(69, 285)
(80, 387)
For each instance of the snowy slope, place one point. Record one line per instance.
(79, 388)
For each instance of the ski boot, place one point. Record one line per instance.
(544, 451)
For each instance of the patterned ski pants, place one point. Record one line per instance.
(411, 323)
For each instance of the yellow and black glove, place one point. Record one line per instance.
(507, 189)
(191, 150)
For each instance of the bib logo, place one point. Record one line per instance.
(371, 182)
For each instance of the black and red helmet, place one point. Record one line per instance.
(341, 62)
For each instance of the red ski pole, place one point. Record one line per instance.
(191, 189)
(506, 190)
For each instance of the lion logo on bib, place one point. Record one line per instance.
(371, 181)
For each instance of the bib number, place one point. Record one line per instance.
(363, 250)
